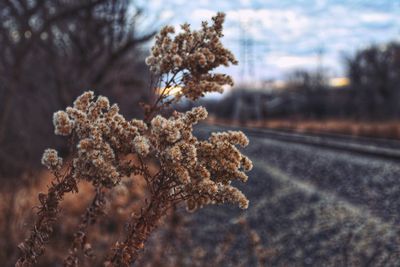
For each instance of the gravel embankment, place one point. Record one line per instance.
(313, 206)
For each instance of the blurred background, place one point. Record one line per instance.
(313, 67)
(308, 65)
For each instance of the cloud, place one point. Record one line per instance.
(281, 23)
(376, 17)
(201, 14)
(286, 62)
(288, 33)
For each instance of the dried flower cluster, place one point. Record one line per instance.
(51, 160)
(200, 170)
(190, 57)
(108, 148)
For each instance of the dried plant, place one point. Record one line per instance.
(107, 149)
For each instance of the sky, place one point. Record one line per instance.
(290, 34)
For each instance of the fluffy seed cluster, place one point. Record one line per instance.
(62, 123)
(51, 160)
(194, 54)
(201, 171)
(102, 134)
(175, 166)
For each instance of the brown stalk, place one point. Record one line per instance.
(33, 247)
(139, 229)
(90, 216)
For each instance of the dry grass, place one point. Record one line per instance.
(171, 245)
(16, 204)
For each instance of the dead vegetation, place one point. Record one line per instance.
(135, 172)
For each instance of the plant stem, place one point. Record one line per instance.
(33, 247)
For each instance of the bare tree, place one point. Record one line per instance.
(309, 87)
(374, 73)
(53, 50)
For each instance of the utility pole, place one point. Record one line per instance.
(320, 66)
(246, 45)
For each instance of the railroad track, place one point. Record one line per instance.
(376, 147)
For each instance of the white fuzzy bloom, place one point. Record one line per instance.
(51, 160)
(63, 125)
(142, 145)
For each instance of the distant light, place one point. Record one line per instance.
(339, 82)
(279, 84)
(172, 90)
